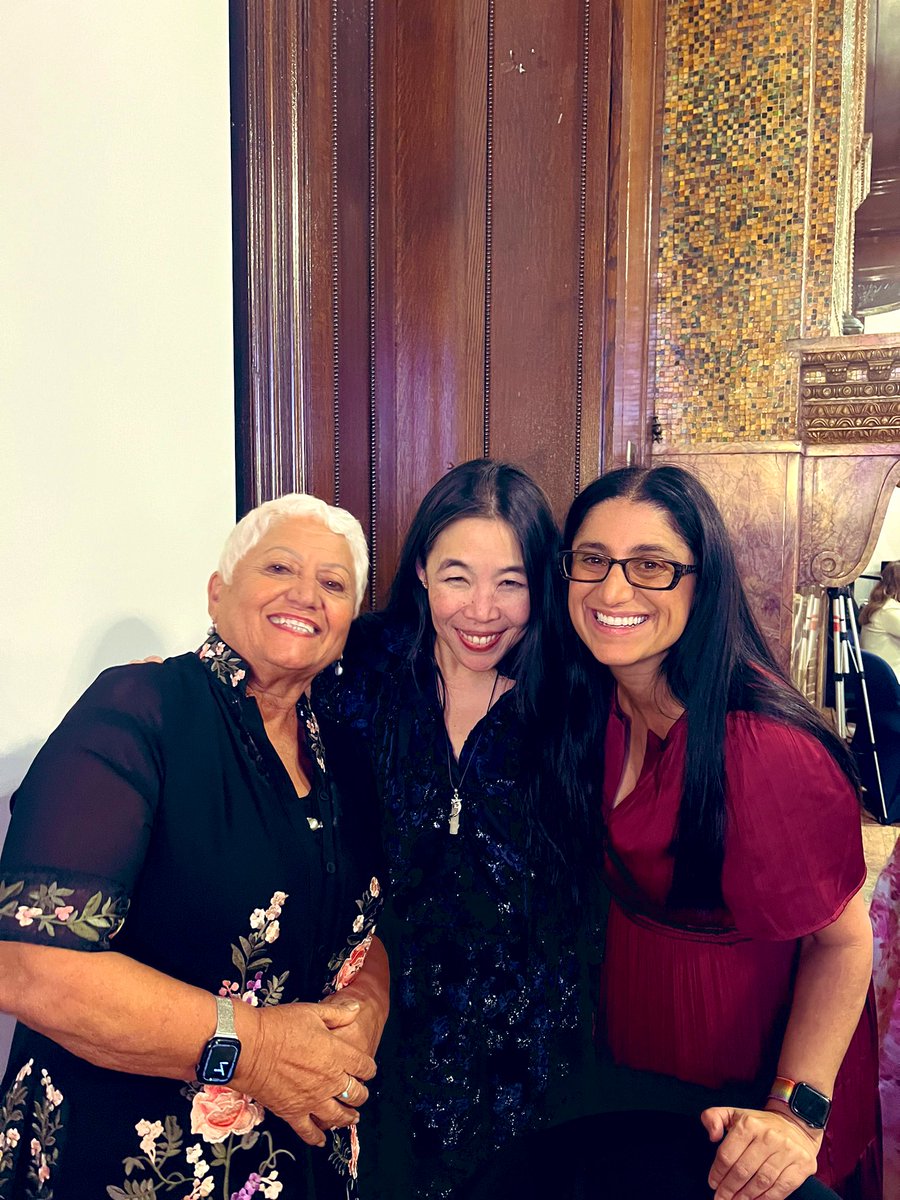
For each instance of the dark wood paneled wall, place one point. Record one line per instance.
(426, 263)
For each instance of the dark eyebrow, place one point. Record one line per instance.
(449, 563)
(635, 550)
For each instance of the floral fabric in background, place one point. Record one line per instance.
(885, 914)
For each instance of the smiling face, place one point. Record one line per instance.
(630, 629)
(288, 608)
(477, 593)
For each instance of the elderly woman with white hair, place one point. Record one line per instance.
(187, 907)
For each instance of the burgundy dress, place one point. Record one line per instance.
(705, 996)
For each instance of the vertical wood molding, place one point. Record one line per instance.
(272, 269)
(488, 227)
(637, 74)
(582, 234)
(335, 256)
(373, 321)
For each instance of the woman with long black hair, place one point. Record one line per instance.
(738, 951)
(485, 1036)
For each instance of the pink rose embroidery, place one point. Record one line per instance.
(217, 1112)
(352, 963)
(354, 1152)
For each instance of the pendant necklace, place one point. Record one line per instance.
(456, 799)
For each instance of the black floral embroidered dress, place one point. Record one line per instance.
(159, 815)
(485, 982)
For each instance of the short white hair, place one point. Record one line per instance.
(253, 526)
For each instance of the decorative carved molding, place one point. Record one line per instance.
(850, 390)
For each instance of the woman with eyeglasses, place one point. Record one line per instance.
(739, 951)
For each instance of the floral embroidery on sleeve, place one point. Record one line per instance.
(32, 910)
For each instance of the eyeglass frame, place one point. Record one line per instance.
(680, 569)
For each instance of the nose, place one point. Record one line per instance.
(615, 588)
(483, 604)
(304, 590)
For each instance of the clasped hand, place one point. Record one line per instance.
(297, 1067)
(763, 1155)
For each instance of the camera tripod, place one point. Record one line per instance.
(847, 655)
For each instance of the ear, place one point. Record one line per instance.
(423, 579)
(213, 593)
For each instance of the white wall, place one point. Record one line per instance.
(116, 382)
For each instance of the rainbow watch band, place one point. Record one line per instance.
(782, 1089)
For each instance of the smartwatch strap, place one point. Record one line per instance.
(225, 1017)
(782, 1089)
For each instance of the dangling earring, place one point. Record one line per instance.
(339, 666)
(212, 630)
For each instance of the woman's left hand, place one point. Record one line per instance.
(764, 1155)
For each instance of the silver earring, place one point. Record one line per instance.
(212, 630)
(339, 666)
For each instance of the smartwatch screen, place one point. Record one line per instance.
(219, 1060)
(811, 1106)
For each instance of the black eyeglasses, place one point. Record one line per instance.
(652, 574)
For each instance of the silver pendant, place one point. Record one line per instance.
(455, 810)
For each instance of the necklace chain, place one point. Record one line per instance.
(456, 799)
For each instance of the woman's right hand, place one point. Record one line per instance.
(763, 1155)
(295, 1066)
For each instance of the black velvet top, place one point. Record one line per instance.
(484, 974)
(159, 821)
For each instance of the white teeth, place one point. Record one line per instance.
(617, 622)
(479, 639)
(294, 623)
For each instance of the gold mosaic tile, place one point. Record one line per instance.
(747, 212)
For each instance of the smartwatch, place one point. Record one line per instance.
(803, 1100)
(221, 1053)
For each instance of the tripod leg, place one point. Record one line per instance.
(864, 694)
(840, 711)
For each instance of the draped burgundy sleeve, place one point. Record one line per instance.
(794, 854)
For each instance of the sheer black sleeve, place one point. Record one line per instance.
(82, 816)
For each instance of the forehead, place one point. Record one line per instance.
(305, 537)
(478, 538)
(622, 525)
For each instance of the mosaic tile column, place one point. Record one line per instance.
(751, 170)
